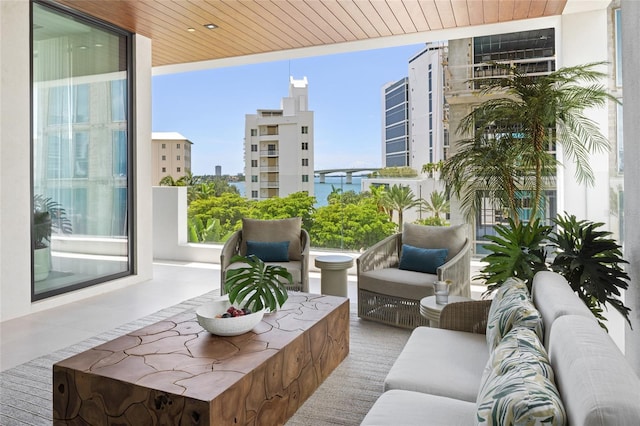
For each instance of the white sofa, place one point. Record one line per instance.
(441, 373)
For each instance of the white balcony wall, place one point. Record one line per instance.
(170, 232)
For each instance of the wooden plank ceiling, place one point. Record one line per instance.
(246, 27)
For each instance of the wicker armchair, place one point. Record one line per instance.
(391, 295)
(271, 231)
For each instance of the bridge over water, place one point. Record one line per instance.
(348, 171)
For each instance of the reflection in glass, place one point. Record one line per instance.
(80, 152)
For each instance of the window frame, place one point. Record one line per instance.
(130, 149)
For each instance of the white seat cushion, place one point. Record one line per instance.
(398, 283)
(399, 407)
(440, 362)
(293, 266)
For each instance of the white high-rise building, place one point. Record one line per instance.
(414, 130)
(278, 147)
(428, 129)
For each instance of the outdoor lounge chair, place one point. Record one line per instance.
(390, 287)
(268, 236)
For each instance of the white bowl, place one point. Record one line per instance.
(232, 326)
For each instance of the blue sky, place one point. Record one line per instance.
(208, 107)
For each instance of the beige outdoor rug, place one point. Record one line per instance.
(343, 399)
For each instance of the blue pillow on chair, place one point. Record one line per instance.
(269, 251)
(421, 259)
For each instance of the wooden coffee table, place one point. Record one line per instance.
(175, 372)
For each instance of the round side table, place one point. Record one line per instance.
(431, 310)
(333, 274)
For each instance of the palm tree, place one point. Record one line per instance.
(487, 168)
(533, 113)
(437, 204)
(399, 198)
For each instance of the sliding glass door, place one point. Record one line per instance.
(81, 152)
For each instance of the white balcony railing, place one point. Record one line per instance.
(269, 153)
(269, 169)
(463, 79)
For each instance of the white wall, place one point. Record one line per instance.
(15, 168)
(631, 84)
(15, 203)
(577, 47)
(170, 240)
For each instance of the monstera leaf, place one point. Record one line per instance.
(257, 285)
(591, 262)
(517, 251)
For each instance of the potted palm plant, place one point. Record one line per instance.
(48, 215)
(257, 285)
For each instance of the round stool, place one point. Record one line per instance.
(333, 273)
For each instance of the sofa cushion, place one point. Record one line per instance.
(421, 259)
(516, 388)
(511, 308)
(554, 297)
(294, 267)
(400, 407)
(451, 238)
(440, 362)
(273, 230)
(597, 384)
(268, 251)
(398, 283)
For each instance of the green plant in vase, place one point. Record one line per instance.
(257, 285)
(591, 262)
(48, 215)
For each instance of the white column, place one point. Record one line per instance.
(631, 85)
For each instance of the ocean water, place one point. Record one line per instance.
(322, 190)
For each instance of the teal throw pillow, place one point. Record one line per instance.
(421, 259)
(269, 251)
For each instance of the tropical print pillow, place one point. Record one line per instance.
(520, 346)
(512, 310)
(518, 386)
(511, 286)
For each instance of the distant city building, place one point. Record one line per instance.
(414, 116)
(278, 147)
(428, 114)
(170, 155)
(395, 124)
(218, 171)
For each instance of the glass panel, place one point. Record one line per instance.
(80, 153)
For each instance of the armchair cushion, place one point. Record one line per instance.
(421, 259)
(293, 266)
(277, 251)
(398, 282)
(451, 238)
(273, 230)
